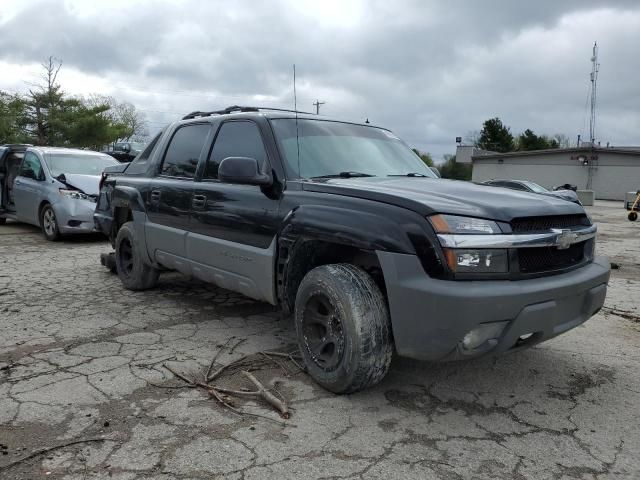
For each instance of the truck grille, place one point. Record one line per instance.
(542, 259)
(543, 224)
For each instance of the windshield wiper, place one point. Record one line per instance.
(344, 175)
(410, 174)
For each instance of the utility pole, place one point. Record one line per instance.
(595, 67)
(317, 104)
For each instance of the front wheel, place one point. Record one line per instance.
(633, 216)
(343, 328)
(49, 224)
(3, 220)
(131, 269)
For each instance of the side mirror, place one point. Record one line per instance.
(29, 174)
(242, 170)
(436, 171)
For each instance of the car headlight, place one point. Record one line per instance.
(75, 194)
(455, 224)
(463, 260)
(477, 261)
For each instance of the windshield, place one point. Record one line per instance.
(535, 187)
(328, 148)
(83, 164)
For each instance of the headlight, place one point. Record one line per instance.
(461, 260)
(75, 194)
(477, 261)
(455, 224)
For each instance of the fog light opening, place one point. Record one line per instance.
(527, 338)
(482, 334)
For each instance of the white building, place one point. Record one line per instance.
(608, 171)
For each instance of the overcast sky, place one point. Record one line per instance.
(428, 70)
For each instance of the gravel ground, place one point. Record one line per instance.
(81, 360)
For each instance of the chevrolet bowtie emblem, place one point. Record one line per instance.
(564, 238)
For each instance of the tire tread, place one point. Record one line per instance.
(369, 309)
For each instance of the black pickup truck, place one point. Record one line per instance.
(344, 226)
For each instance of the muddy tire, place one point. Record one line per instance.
(633, 216)
(343, 328)
(49, 224)
(132, 271)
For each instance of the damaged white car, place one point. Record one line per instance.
(53, 188)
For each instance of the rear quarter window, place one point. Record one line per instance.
(140, 164)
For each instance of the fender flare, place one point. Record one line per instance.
(123, 196)
(364, 230)
(392, 229)
(128, 197)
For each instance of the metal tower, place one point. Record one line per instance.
(595, 67)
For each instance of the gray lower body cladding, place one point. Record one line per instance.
(430, 317)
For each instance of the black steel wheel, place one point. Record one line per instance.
(322, 332)
(133, 272)
(343, 328)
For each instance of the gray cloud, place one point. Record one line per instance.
(427, 70)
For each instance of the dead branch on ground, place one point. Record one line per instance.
(42, 451)
(244, 364)
(622, 313)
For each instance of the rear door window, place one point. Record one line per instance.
(183, 153)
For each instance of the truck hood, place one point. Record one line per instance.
(568, 195)
(88, 184)
(434, 195)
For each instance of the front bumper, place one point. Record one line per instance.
(430, 317)
(75, 216)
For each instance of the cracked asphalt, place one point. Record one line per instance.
(81, 361)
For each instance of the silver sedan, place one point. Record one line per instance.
(53, 188)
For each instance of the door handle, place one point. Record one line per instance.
(17, 182)
(155, 196)
(198, 201)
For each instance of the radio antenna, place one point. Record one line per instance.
(295, 107)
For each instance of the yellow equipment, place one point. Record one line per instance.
(633, 214)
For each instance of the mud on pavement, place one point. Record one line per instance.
(81, 362)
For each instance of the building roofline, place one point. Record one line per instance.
(531, 153)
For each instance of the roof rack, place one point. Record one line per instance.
(239, 109)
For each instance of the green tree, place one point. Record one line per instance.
(56, 119)
(495, 136)
(89, 127)
(133, 121)
(455, 171)
(425, 157)
(528, 140)
(12, 119)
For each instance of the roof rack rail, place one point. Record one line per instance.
(234, 108)
(239, 109)
(284, 110)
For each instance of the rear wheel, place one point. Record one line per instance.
(3, 220)
(49, 223)
(131, 269)
(343, 328)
